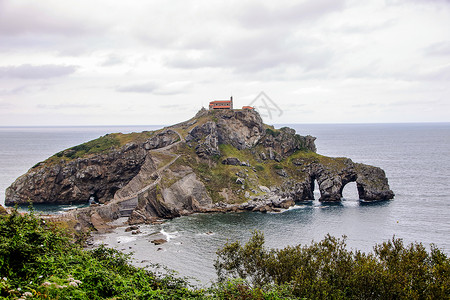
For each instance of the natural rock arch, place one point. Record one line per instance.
(371, 182)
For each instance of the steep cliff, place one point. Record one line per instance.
(217, 161)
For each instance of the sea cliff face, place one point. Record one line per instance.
(217, 161)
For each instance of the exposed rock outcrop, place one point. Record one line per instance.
(285, 142)
(162, 139)
(207, 139)
(241, 129)
(75, 181)
(185, 196)
(244, 129)
(233, 161)
(217, 161)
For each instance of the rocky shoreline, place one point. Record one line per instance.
(218, 161)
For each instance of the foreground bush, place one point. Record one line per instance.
(40, 260)
(327, 270)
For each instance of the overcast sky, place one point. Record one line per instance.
(135, 62)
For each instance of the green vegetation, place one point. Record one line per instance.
(100, 145)
(219, 179)
(41, 260)
(327, 270)
(273, 132)
(95, 146)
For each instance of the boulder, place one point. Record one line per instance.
(159, 241)
(282, 173)
(240, 180)
(162, 139)
(233, 161)
(131, 228)
(264, 189)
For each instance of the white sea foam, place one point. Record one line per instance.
(297, 207)
(169, 235)
(69, 207)
(205, 233)
(125, 239)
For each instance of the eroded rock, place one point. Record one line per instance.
(75, 181)
(233, 161)
(162, 139)
(159, 242)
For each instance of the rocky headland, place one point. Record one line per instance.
(218, 161)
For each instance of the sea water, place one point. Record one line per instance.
(415, 157)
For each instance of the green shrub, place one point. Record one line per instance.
(99, 145)
(272, 132)
(259, 168)
(326, 269)
(38, 257)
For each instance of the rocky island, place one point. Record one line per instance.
(220, 160)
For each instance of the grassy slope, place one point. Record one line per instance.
(102, 144)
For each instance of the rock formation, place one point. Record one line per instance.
(217, 161)
(75, 181)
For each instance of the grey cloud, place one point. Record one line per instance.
(66, 106)
(112, 60)
(258, 15)
(364, 105)
(366, 28)
(26, 25)
(368, 70)
(27, 71)
(261, 51)
(408, 103)
(425, 2)
(438, 49)
(32, 18)
(441, 74)
(148, 87)
(295, 105)
(14, 91)
(6, 105)
(175, 106)
(155, 88)
(372, 70)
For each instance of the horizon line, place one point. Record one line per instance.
(165, 125)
